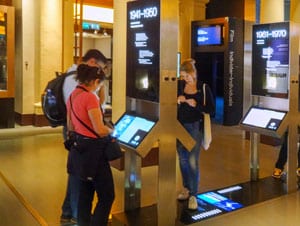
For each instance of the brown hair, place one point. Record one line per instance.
(188, 66)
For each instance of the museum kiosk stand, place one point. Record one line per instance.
(151, 108)
(275, 90)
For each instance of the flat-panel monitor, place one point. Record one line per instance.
(131, 129)
(209, 35)
(264, 118)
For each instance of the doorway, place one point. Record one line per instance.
(210, 68)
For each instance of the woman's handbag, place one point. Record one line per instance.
(207, 138)
(206, 131)
(113, 150)
(70, 142)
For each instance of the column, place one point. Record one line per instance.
(271, 11)
(119, 59)
(295, 11)
(189, 10)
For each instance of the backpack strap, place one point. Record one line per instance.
(70, 73)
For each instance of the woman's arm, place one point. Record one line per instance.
(97, 122)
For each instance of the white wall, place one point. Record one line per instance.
(102, 43)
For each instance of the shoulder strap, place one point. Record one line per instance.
(81, 87)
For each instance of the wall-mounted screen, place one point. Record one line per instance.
(264, 118)
(270, 60)
(131, 129)
(209, 35)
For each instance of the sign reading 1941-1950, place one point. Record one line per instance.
(143, 35)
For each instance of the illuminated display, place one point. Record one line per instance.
(131, 129)
(219, 201)
(264, 118)
(90, 26)
(143, 34)
(210, 35)
(270, 60)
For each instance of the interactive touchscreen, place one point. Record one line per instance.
(264, 118)
(131, 129)
(219, 201)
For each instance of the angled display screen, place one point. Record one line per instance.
(131, 129)
(270, 60)
(209, 35)
(264, 118)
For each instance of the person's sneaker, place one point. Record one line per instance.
(298, 172)
(277, 173)
(184, 194)
(193, 204)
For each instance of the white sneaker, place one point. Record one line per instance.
(193, 204)
(184, 194)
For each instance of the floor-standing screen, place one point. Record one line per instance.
(270, 60)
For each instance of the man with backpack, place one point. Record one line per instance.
(93, 58)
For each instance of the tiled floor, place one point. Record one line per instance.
(33, 179)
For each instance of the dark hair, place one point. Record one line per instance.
(86, 74)
(94, 53)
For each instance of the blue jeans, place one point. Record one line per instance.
(70, 204)
(189, 161)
